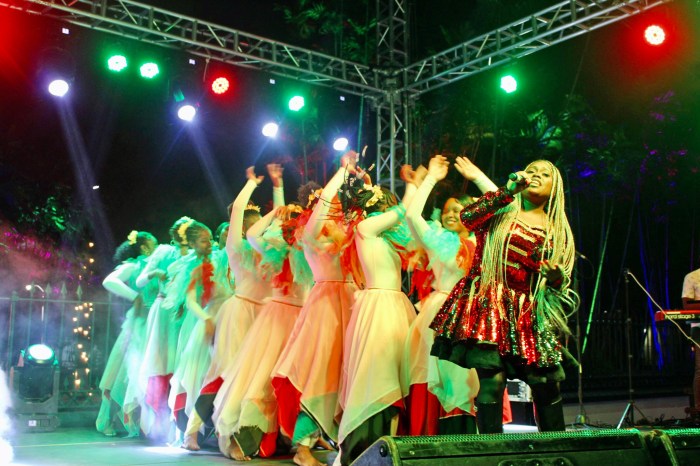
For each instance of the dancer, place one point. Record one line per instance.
(440, 395)
(504, 318)
(237, 313)
(203, 296)
(370, 393)
(161, 334)
(123, 363)
(307, 376)
(245, 409)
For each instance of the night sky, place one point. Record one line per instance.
(151, 168)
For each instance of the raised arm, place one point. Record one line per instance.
(115, 282)
(275, 171)
(373, 226)
(475, 215)
(472, 173)
(235, 237)
(255, 232)
(314, 226)
(437, 170)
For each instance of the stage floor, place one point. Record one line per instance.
(84, 446)
(74, 446)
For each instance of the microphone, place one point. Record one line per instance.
(581, 256)
(518, 178)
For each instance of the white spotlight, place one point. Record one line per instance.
(270, 130)
(187, 112)
(58, 87)
(340, 144)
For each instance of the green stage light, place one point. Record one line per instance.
(116, 63)
(149, 70)
(296, 103)
(509, 84)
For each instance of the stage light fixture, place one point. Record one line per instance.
(34, 381)
(655, 35)
(39, 355)
(149, 70)
(187, 112)
(220, 85)
(509, 84)
(296, 103)
(270, 130)
(116, 63)
(58, 87)
(340, 144)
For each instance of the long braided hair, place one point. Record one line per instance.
(558, 248)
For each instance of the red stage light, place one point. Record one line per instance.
(220, 85)
(654, 35)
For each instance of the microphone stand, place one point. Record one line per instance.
(581, 418)
(628, 413)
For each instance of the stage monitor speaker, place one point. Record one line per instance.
(588, 447)
(675, 447)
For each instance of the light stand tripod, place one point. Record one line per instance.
(628, 413)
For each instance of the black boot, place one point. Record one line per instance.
(550, 418)
(489, 417)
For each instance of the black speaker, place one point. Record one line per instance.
(675, 447)
(587, 447)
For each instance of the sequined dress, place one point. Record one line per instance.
(498, 316)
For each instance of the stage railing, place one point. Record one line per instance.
(80, 330)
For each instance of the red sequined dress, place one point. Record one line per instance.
(502, 316)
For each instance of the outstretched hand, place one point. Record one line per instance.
(349, 160)
(275, 171)
(438, 167)
(409, 175)
(467, 169)
(250, 174)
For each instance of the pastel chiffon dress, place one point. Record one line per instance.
(245, 407)
(307, 376)
(124, 359)
(374, 344)
(155, 372)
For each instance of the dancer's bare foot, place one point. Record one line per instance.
(323, 443)
(304, 457)
(190, 442)
(236, 453)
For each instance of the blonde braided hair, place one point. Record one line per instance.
(550, 303)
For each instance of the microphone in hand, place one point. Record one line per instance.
(518, 178)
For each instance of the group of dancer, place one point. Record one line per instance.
(293, 330)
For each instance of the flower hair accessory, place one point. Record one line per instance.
(182, 229)
(313, 196)
(294, 209)
(377, 194)
(252, 206)
(132, 237)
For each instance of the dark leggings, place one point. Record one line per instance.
(493, 384)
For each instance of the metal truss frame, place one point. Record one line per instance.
(392, 55)
(543, 29)
(391, 86)
(153, 25)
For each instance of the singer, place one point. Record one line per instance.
(506, 316)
